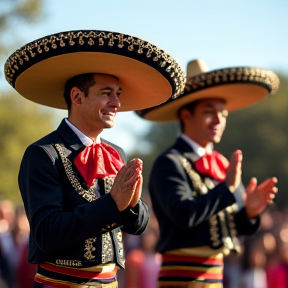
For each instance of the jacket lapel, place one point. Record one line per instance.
(185, 149)
(72, 143)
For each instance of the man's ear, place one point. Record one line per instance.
(185, 115)
(76, 96)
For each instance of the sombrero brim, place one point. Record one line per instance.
(239, 87)
(148, 76)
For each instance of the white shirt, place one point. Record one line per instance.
(199, 150)
(83, 138)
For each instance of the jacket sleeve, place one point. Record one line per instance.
(135, 220)
(51, 227)
(170, 190)
(244, 225)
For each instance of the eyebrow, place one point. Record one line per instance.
(109, 88)
(212, 107)
(209, 106)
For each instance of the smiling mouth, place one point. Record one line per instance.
(214, 130)
(109, 114)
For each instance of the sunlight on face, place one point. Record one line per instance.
(208, 121)
(102, 102)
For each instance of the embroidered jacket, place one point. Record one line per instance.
(70, 224)
(193, 209)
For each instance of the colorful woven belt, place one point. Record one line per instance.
(63, 277)
(191, 267)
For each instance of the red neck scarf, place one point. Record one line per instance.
(215, 165)
(98, 161)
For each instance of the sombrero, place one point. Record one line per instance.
(238, 86)
(148, 75)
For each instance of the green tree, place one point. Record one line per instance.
(260, 131)
(13, 14)
(21, 123)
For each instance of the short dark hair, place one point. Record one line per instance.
(82, 81)
(191, 108)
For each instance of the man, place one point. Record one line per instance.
(78, 193)
(197, 196)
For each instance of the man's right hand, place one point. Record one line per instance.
(234, 171)
(125, 183)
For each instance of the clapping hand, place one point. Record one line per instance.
(126, 189)
(258, 197)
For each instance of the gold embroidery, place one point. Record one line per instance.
(232, 227)
(194, 176)
(108, 183)
(53, 42)
(90, 194)
(261, 76)
(209, 183)
(107, 248)
(89, 248)
(71, 263)
(120, 247)
(230, 241)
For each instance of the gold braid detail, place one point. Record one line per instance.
(58, 41)
(228, 242)
(230, 75)
(89, 194)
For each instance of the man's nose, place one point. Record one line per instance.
(217, 118)
(115, 101)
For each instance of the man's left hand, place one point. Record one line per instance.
(257, 198)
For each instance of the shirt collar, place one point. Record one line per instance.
(83, 138)
(199, 150)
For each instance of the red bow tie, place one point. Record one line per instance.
(215, 165)
(98, 161)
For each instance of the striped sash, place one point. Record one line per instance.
(63, 277)
(191, 267)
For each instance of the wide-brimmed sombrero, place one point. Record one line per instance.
(238, 86)
(148, 75)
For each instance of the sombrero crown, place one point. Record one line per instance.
(238, 86)
(148, 75)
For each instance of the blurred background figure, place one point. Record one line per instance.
(13, 241)
(7, 221)
(254, 259)
(143, 263)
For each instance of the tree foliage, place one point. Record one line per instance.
(13, 14)
(21, 123)
(260, 131)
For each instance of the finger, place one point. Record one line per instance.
(138, 188)
(130, 170)
(270, 182)
(273, 190)
(252, 185)
(132, 180)
(239, 156)
(271, 196)
(140, 183)
(232, 159)
(136, 162)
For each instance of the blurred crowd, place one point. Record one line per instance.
(263, 262)
(15, 272)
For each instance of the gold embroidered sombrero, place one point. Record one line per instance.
(148, 76)
(238, 86)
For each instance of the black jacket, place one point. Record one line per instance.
(70, 225)
(189, 218)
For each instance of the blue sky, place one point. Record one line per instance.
(223, 32)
